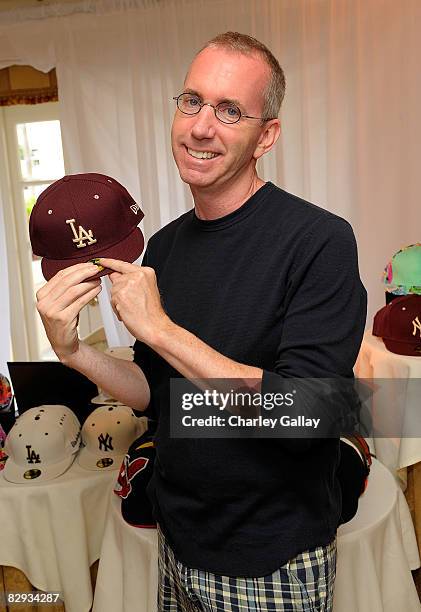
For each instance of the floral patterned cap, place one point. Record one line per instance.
(402, 275)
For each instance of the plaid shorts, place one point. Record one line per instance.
(303, 584)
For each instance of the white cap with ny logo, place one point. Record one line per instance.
(107, 434)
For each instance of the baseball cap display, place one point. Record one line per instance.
(42, 444)
(402, 275)
(399, 324)
(107, 434)
(133, 478)
(82, 217)
(6, 395)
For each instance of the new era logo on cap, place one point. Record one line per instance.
(399, 324)
(84, 216)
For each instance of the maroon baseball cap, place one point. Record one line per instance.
(82, 217)
(399, 324)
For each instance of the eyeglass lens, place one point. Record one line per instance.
(191, 105)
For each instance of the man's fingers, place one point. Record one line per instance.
(72, 311)
(117, 265)
(68, 298)
(64, 279)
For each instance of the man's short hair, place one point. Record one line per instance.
(247, 45)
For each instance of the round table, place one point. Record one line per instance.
(53, 531)
(373, 569)
(375, 555)
(398, 377)
(127, 578)
(399, 403)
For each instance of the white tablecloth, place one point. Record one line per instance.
(373, 570)
(376, 362)
(53, 531)
(127, 579)
(375, 557)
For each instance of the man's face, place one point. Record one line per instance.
(215, 76)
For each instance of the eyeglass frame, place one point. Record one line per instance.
(202, 104)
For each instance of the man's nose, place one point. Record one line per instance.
(204, 123)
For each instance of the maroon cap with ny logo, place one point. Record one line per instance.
(84, 216)
(399, 324)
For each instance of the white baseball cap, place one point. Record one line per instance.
(42, 444)
(107, 434)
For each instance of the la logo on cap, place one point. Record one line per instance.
(83, 234)
(32, 456)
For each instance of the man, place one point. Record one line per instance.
(255, 284)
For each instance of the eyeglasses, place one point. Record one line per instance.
(190, 104)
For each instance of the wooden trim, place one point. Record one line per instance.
(28, 98)
(26, 85)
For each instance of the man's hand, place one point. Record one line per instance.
(136, 300)
(60, 302)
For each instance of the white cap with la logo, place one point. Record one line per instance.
(42, 444)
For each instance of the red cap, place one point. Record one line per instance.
(84, 216)
(399, 324)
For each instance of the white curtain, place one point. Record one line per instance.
(4, 301)
(351, 129)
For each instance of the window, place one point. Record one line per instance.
(33, 159)
(35, 155)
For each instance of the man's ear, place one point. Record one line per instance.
(270, 134)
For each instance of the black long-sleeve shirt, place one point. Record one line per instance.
(274, 284)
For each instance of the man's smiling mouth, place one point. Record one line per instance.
(202, 154)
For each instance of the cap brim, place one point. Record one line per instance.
(16, 473)
(102, 400)
(403, 348)
(128, 250)
(91, 461)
